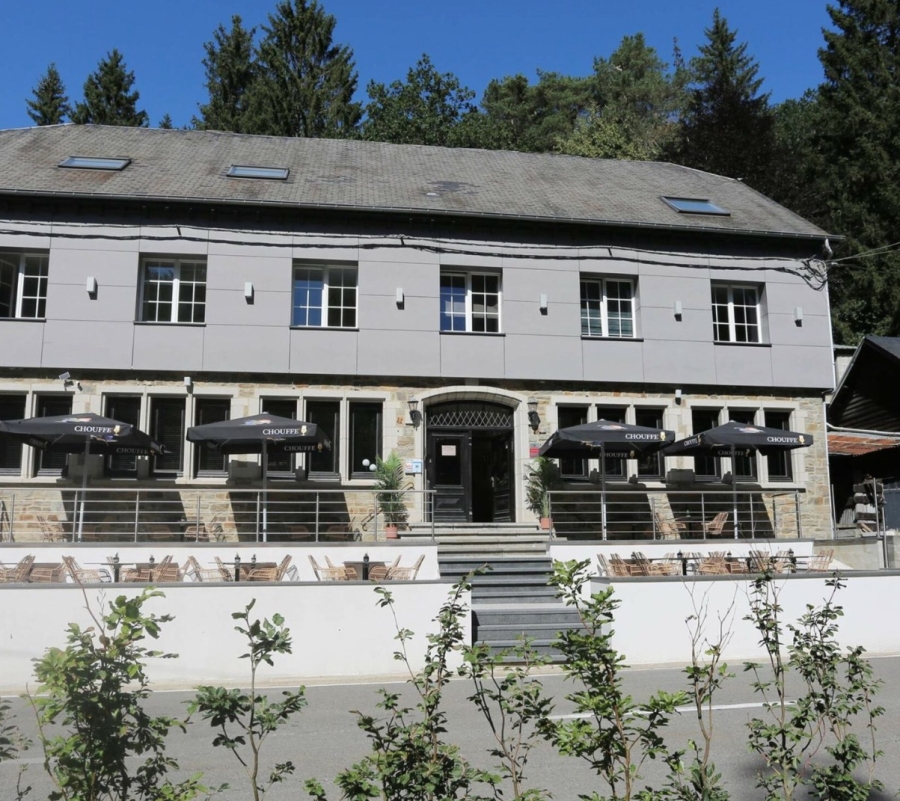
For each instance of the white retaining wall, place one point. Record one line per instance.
(338, 629)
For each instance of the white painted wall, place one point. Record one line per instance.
(338, 629)
(650, 625)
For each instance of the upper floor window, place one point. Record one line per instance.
(607, 307)
(470, 302)
(23, 285)
(173, 291)
(735, 313)
(324, 296)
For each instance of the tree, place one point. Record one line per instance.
(636, 101)
(51, 104)
(530, 118)
(425, 110)
(860, 157)
(230, 71)
(306, 82)
(166, 122)
(727, 127)
(108, 96)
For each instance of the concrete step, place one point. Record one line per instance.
(541, 632)
(493, 615)
(519, 595)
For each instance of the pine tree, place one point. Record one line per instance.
(230, 71)
(50, 105)
(636, 101)
(166, 122)
(108, 98)
(727, 127)
(306, 82)
(425, 110)
(857, 140)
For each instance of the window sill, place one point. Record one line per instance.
(23, 319)
(184, 325)
(472, 333)
(744, 344)
(322, 328)
(592, 338)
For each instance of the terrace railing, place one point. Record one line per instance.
(208, 514)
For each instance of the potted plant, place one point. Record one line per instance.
(544, 476)
(389, 497)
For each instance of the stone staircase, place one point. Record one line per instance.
(511, 597)
(482, 539)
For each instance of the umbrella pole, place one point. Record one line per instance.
(734, 493)
(265, 499)
(87, 450)
(603, 488)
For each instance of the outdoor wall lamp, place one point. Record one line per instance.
(543, 304)
(401, 298)
(677, 396)
(534, 419)
(91, 287)
(677, 309)
(798, 316)
(415, 416)
(68, 381)
(248, 291)
(188, 383)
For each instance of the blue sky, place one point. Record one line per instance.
(477, 40)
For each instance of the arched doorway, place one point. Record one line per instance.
(469, 461)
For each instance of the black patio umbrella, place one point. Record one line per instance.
(605, 438)
(76, 433)
(263, 434)
(738, 439)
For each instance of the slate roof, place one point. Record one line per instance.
(344, 174)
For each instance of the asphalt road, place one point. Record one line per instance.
(324, 739)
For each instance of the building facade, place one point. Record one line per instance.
(407, 299)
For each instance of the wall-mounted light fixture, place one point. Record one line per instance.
(677, 396)
(91, 287)
(68, 381)
(415, 416)
(188, 383)
(401, 298)
(534, 419)
(677, 309)
(248, 291)
(798, 316)
(543, 304)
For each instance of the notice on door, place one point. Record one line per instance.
(448, 450)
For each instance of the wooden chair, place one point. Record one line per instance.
(620, 567)
(668, 528)
(338, 532)
(406, 573)
(298, 532)
(820, 562)
(605, 568)
(51, 529)
(328, 573)
(270, 573)
(82, 575)
(204, 532)
(17, 573)
(380, 572)
(218, 573)
(713, 564)
(167, 571)
(349, 570)
(47, 574)
(161, 571)
(645, 567)
(716, 526)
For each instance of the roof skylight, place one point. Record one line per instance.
(246, 171)
(695, 205)
(95, 163)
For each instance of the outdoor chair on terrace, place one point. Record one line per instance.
(161, 571)
(82, 575)
(328, 573)
(17, 573)
(646, 568)
(713, 564)
(406, 573)
(605, 568)
(339, 532)
(270, 573)
(622, 568)
(205, 532)
(820, 562)
(716, 526)
(381, 572)
(668, 528)
(350, 571)
(51, 529)
(47, 573)
(218, 573)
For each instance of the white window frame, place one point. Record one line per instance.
(470, 314)
(325, 307)
(604, 301)
(729, 309)
(22, 265)
(176, 264)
